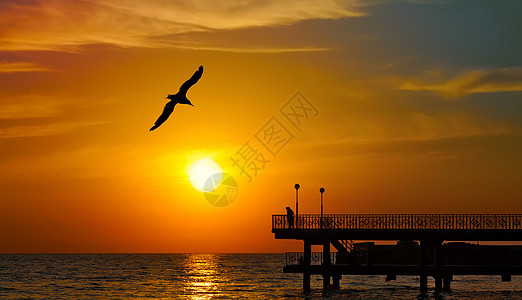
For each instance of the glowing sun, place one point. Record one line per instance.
(205, 175)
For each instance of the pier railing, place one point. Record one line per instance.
(316, 258)
(401, 221)
(464, 258)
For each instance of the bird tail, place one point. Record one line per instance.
(153, 127)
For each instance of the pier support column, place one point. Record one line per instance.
(506, 277)
(447, 283)
(423, 267)
(327, 263)
(306, 266)
(337, 281)
(326, 281)
(326, 254)
(438, 267)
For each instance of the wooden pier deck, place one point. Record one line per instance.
(428, 257)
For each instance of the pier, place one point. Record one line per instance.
(426, 246)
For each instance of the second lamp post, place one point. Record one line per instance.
(321, 190)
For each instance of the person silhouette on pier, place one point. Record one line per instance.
(290, 217)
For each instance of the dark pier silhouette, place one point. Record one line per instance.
(426, 246)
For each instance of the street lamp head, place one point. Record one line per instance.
(297, 186)
(321, 190)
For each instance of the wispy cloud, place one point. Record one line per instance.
(35, 115)
(65, 25)
(43, 130)
(15, 67)
(471, 82)
(265, 49)
(30, 106)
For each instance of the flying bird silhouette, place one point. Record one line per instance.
(180, 97)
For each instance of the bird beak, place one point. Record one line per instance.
(191, 104)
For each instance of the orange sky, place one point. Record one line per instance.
(418, 112)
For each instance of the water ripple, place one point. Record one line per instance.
(206, 276)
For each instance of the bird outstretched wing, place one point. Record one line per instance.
(169, 108)
(185, 86)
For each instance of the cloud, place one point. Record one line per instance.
(67, 25)
(419, 126)
(43, 130)
(472, 82)
(15, 67)
(265, 49)
(38, 115)
(30, 106)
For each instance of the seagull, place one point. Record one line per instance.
(180, 97)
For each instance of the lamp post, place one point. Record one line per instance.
(297, 186)
(321, 190)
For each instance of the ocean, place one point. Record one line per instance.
(207, 276)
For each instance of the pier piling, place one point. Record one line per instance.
(337, 281)
(306, 266)
(447, 283)
(438, 267)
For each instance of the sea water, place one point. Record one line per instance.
(208, 276)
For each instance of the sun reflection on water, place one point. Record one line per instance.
(203, 278)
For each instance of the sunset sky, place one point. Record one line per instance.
(418, 109)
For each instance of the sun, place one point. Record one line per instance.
(205, 175)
